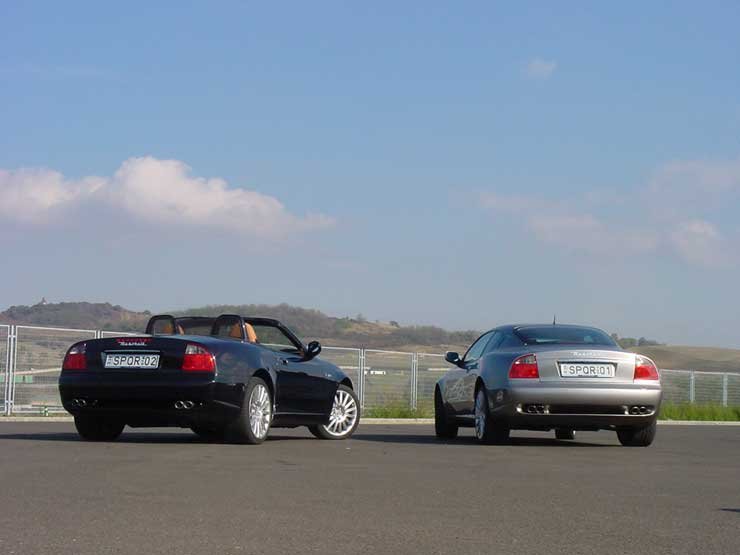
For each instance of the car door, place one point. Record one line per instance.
(304, 387)
(464, 385)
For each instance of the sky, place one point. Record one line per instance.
(461, 164)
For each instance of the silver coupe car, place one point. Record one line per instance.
(545, 377)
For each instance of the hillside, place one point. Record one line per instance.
(343, 332)
(78, 315)
(307, 323)
(679, 357)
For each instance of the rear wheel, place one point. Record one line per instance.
(444, 428)
(565, 433)
(92, 428)
(637, 437)
(255, 417)
(488, 430)
(344, 417)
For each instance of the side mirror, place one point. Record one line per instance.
(312, 350)
(453, 358)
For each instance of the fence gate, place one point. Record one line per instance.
(38, 356)
(388, 379)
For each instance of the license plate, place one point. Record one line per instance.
(586, 370)
(131, 361)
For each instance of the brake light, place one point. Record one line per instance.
(645, 369)
(75, 358)
(524, 367)
(198, 359)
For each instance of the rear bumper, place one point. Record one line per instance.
(542, 408)
(141, 402)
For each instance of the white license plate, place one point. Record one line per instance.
(131, 361)
(586, 370)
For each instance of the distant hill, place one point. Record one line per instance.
(76, 315)
(307, 323)
(343, 332)
(679, 357)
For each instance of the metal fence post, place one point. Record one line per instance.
(692, 387)
(6, 376)
(10, 370)
(725, 378)
(362, 378)
(414, 378)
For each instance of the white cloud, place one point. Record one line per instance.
(537, 68)
(662, 216)
(154, 191)
(37, 195)
(700, 243)
(570, 225)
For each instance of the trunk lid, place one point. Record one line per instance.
(136, 354)
(563, 364)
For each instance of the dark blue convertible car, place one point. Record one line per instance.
(229, 378)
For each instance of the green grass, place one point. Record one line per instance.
(672, 411)
(668, 411)
(396, 412)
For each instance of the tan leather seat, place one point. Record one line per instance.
(235, 331)
(251, 334)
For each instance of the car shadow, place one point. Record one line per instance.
(430, 439)
(141, 438)
(727, 510)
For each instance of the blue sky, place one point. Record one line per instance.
(459, 164)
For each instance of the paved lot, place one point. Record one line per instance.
(392, 489)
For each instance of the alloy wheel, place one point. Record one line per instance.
(343, 414)
(260, 411)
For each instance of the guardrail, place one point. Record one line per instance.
(31, 358)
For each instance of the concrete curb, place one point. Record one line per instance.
(697, 423)
(377, 421)
(36, 419)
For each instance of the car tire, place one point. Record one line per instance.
(208, 434)
(488, 430)
(565, 433)
(444, 428)
(254, 420)
(344, 418)
(94, 428)
(637, 437)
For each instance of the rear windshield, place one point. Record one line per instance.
(554, 335)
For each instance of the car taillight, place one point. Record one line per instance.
(645, 369)
(75, 358)
(524, 367)
(198, 359)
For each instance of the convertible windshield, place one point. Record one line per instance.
(554, 335)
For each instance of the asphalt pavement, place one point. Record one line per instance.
(390, 489)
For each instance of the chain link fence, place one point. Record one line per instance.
(31, 359)
(388, 379)
(37, 362)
